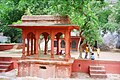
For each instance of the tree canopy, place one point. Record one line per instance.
(91, 15)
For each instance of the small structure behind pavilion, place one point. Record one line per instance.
(47, 25)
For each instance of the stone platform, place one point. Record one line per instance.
(45, 68)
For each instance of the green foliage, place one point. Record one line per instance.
(111, 26)
(82, 13)
(14, 33)
(9, 13)
(91, 15)
(34, 7)
(110, 17)
(103, 16)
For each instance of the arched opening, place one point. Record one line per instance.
(58, 44)
(73, 44)
(31, 46)
(62, 44)
(44, 43)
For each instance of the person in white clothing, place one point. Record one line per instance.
(98, 52)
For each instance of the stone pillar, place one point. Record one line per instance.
(45, 49)
(67, 44)
(32, 45)
(52, 45)
(23, 42)
(36, 44)
(58, 46)
(27, 46)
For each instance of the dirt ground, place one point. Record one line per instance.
(11, 75)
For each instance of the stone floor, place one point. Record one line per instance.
(11, 53)
(104, 55)
(108, 55)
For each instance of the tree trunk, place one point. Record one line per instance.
(79, 48)
(118, 42)
(39, 42)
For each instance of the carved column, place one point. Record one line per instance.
(32, 45)
(67, 44)
(52, 45)
(45, 49)
(23, 42)
(27, 46)
(58, 45)
(36, 44)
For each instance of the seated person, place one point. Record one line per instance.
(92, 56)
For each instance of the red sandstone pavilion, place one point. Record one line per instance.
(47, 25)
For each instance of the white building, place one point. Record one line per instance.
(4, 39)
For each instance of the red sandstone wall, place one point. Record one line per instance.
(10, 46)
(76, 39)
(6, 46)
(82, 65)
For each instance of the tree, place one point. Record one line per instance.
(85, 13)
(12, 10)
(109, 17)
(9, 13)
(82, 13)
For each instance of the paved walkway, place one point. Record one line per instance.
(112, 56)
(11, 53)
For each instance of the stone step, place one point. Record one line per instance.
(98, 75)
(5, 62)
(3, 69)
(97, 72)
(96, 67)
(4, 65)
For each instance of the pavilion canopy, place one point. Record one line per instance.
(45, 21)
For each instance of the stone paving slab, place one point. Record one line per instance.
(110, 56)
(11, 53)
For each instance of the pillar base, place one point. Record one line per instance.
(32, 54)
(67, 56)
(28, 55)
(45, 53)
(36, 55)
(52, 56)
(23, 56)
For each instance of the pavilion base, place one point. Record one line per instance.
(45, 68)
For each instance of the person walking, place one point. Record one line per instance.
(98, 52)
